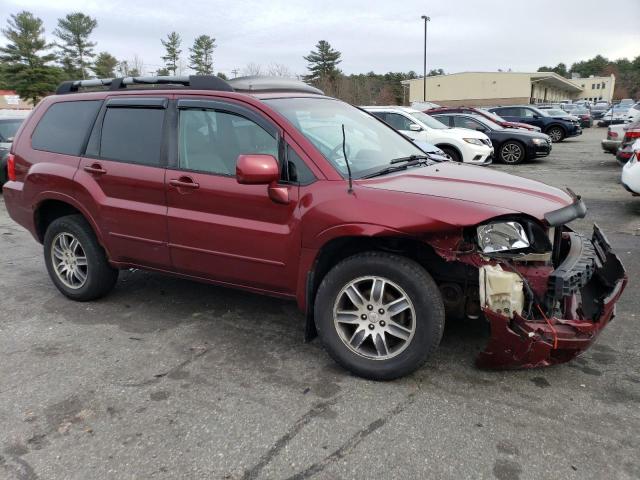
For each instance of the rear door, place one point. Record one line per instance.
(123, 174)
(218, 228)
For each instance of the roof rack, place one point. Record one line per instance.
(195, 82)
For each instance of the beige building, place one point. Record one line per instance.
(499, 88)
(596, 88)
(9, 100)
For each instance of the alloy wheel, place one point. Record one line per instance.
(374, 317)
(69, 260)
(555, 134)
(511, 153)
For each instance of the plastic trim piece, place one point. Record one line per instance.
(577, 209)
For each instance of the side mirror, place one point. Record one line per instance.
(9, 139)
(535, 115)
(257, 169)
(414, 127)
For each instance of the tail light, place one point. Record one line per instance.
(611, 134)
(631, 134)
(11, 167)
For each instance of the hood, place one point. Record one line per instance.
(475, 184)
(462, 133)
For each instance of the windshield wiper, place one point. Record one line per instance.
(410, 158)
(407, 162)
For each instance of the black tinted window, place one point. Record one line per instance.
(508, 112)
(132, 135)
(64, 127)
(468, 123)
(297, 170)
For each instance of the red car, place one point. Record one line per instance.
(269, 186)
(491, 116)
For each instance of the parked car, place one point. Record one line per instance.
(561, 114)
(511, 145)
(558, 129)
(625, 150)
(10, 121)
(631, 171)
(615, 133)
(626, 102)
(461, 145)
(268, 185)
(633, 114)
(598, 110)
(616, 114)
(487, 114)
(423, 106)
(584, 116)
(568, 107)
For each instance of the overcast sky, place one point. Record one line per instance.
(378, 35)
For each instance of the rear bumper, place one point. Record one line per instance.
(610, 146)
(581, 293)
(12, 193)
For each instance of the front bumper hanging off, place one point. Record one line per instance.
(583, 290)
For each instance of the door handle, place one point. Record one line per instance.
(184, 182)
(96, 169)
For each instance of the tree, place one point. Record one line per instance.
(279, 70)
(162, 72)
(323, 62)
(24, 59)
(201, 58)
(76, 50)
(434, 72)
(560, 69)
(222, 76)
(252, 69)
(105, 65)
(173, 51)
(593, 66)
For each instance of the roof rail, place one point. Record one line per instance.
(196, 82)
(271, 84)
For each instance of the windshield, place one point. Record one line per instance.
(8, 129)
(428, 120)
(370, 144)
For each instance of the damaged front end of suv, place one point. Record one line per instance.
(545, 290)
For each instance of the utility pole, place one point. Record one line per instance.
(235, 72)
(424, 78)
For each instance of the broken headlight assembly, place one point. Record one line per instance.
(501, 237)
(512, 237)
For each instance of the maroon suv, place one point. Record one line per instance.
(270, 186)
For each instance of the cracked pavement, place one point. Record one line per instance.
(167, 378)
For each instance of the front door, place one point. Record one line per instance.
(123, 178)
(218, 228)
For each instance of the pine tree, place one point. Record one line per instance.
(172, 47)
(323, 62)
(24, 59)
(105, 65)
(201, 58)
(76, 50)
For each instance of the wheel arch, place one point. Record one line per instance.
(443, 146)
(340, 248)
(50, 207)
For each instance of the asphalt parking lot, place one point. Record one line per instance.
(166, 378)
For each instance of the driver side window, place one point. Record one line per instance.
(210, 140)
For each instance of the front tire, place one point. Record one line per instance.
(76, 262)
(453, 153)
(379, 315)
(512, 153)
(557, 134)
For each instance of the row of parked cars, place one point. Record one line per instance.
(510, 134)
(623, 141)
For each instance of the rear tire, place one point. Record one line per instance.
(394, 325)
(455, 156)
(557, 134)
(512, 153)
(76, 262)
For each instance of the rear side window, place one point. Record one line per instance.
(64, 127)
(132, 135)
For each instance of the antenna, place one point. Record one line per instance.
(344, 153)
